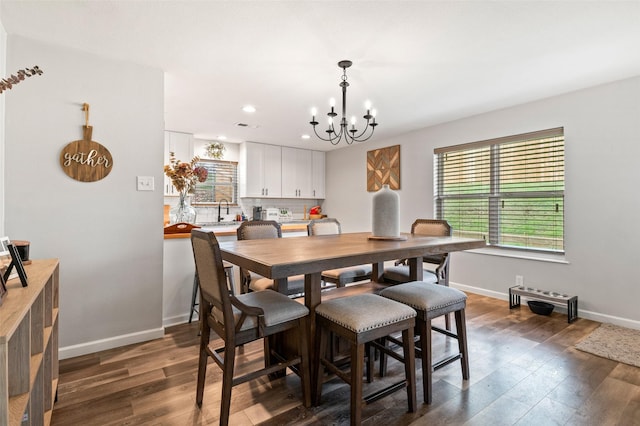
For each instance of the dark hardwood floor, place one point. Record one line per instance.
(524, 371)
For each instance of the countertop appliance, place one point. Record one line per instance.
(273, 214)
(257, 213)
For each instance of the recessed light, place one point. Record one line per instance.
(242, 125)
(249, 108)
(222, 137)
(306, 137)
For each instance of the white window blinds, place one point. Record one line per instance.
(509, 191)
(221, 183)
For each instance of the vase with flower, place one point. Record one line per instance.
(184, 177)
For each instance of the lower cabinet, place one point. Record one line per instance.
(29, 346)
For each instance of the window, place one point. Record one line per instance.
(221, 183)
(509, 191)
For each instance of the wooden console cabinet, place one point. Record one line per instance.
(29, 346)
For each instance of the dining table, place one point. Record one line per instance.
(279, 258)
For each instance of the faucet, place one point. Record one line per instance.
(219, 204)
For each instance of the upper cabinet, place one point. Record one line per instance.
(260, 170)
(181, 144)
(317, 174)
(296, 173)
(270, 171)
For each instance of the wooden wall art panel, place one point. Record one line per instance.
(383, 167)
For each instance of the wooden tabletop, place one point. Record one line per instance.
(283, 257)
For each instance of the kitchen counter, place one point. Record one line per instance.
(178, 267)
(230, 229)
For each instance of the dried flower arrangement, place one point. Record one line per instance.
(184, 176)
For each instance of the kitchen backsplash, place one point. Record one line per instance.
(209, 214)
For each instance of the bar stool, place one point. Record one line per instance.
(362, 319)
(228, 270)
(432, 301)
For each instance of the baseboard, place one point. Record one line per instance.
(178, 319)
(590, 315)
(110, 343)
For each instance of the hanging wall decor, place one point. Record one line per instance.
(12, 80)
(86, 160)
(383, 168)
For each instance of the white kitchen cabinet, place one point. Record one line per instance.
(182, 145)
(260, 170)
(317, 174)
(296, 173)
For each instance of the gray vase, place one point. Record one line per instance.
(386, 213)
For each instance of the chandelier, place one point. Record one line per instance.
(351, 134)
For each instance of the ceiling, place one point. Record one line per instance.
(420, 63)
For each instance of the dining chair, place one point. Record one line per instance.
(341, 276)
(251, 281)
(241, 319)
(399, 273)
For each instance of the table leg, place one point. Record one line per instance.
(377, 270)
(281, 285)
(415, 268)
(312, 298)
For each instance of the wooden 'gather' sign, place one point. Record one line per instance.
(86, 160)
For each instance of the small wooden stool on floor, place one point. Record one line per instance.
(228, 269)
(362, 319)
(432, 301)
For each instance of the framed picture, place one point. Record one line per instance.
(16, 262)
(383, 167)
(4, 246)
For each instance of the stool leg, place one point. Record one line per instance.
(383, 358)
(369, 372)
(318, 368)
(409, 367)
(194, 294)
(427, 368)
(461, 328)
(357, 367)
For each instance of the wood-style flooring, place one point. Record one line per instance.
(524, 371)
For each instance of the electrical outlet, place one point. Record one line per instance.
(145, 183)
(519, 280)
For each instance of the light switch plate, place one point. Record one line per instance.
(145, 183)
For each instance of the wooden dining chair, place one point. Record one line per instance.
(440, 274)
(241, 319)
(251, 281)
(341, 276)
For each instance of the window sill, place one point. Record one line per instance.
(518, 254)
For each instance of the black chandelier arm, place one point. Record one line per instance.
(358, 138)
(330, 131)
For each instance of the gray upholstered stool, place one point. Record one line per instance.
(431, 301)
(362, 319)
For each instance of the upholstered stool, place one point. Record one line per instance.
(362, 319)
(228, 270)
(431, 301)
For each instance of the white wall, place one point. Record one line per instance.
(3, 58)
(106, 234)
(602, 143)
